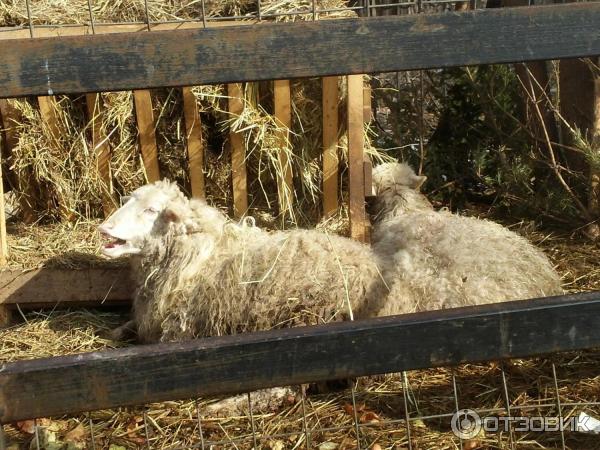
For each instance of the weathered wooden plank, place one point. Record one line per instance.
(147, 135)
(330, 144)
(8, 33)
(238, 153)
(195, 144)
(289, 50)
(152, 373)
(102, 149)
(48, 286)
(356, 143)
(283, 115)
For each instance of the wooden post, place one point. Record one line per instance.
(101, 147)
(145, 123)
(330, 145)
(195, 145)
(358, 229)
(283, 116)
(238, 153)
(9, 117)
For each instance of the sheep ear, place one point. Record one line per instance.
(172, 215)
(417, 181)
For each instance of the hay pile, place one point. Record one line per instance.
(52, 170)
(380, 400)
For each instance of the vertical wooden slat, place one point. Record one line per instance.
(238, 153)
(330, 145)
(368, 114)
(48, 114)
(3, 237)
(283, 115)
(147, 136)
(5, 313)
(358, 228)
(9, 117)
(101, 147)
(367, 165)
(195, 145)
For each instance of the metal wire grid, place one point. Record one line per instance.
(360, 7)
(368, 8)
(255, 438)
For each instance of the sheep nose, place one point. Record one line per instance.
(105, 227)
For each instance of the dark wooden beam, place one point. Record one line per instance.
(123, 61)
(48, 287)
(233, 364)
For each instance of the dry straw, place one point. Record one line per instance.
(52, 170)
(330, 417)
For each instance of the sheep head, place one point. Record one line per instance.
(151, 210)
(391, 175)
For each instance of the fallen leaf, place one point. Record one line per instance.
(348, 408)
(26, 426)
(471, 444)
(369, 417)
(376, 447)
(76, 434)
(116, 447)
(328, 446)
(137, 439)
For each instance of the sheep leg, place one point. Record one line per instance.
(125, 332)
(263, 401)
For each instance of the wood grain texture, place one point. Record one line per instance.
(101, 147)
(356, 174)
(10, 33)
(47, 286)
(330, 144)
(48, 113)
(283, 115)
(154, 373)
(195, 144)
(238, 153)
(126, 61)
(368, 113)
(147, 134)
(3, 235)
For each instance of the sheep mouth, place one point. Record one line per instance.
(114, 243)
(111, 241)
(114, 247)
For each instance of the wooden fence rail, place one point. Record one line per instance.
(235, 364)
(124, 61)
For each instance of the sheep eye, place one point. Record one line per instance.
(150, 211)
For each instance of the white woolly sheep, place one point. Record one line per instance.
(440, 260)
(198, 274)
